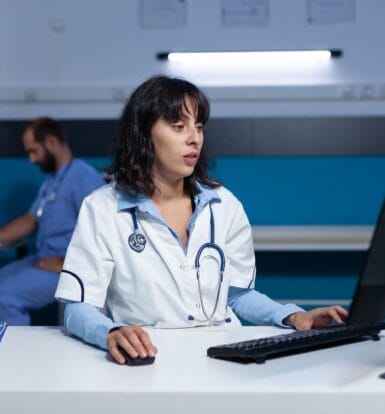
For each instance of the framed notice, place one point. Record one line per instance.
(331, 11)
(162, 14)
(244, 13)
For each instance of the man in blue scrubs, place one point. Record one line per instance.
(30, 283)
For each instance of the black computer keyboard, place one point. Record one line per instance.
(258, 350)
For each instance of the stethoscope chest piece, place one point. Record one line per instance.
(51, 196)
(137, 242)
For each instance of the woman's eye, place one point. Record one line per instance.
(178, 127)
(199, 128)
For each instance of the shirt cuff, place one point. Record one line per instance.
(283, 312)
(88, 323)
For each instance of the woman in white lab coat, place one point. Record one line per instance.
(164, 245)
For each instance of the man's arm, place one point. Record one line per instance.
(22, 227)
(50, 264)
(17, 229)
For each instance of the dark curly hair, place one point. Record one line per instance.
(41, 127)
(133, 151)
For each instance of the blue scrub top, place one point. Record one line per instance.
(59, 198)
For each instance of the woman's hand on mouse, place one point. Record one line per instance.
(316, 318)
(133, 339)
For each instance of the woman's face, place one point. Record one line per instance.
(177, 145)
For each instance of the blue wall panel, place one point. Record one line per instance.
(274, 190)
(306, 190)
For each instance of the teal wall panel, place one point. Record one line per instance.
(274, 190)
(306, 190)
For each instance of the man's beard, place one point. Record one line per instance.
(48, 165)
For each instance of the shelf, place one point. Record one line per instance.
(312, 238)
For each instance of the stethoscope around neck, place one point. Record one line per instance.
(51, 196)
(137, 242)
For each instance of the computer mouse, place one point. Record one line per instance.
(136, 361)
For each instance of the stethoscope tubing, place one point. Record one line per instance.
(51, 196)
(209, 245)
(139, 247)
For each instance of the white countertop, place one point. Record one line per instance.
(45, 371)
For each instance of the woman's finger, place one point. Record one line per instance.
(119, 343)
(146, 341)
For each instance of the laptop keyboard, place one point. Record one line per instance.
(258, 350)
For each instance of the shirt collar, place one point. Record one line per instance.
(205, 195)
(129, 199)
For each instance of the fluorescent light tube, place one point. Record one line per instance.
(273, 56)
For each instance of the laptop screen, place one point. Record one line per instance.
(368, 306)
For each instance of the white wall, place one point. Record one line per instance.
(81, 58)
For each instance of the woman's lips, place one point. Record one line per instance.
(190, 159)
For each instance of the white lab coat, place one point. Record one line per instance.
(157, 287)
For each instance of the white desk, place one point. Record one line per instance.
(44, 371)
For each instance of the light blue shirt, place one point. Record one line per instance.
(144, 204)
(59, 200)
(88, 323)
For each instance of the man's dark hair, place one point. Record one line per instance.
(44, 126)
(133, 150)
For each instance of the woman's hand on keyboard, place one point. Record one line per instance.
(316, 318)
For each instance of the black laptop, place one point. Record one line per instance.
(365, 321)
(368, 306)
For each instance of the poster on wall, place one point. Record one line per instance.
(244, 13)
(162, 14)
(331, 11)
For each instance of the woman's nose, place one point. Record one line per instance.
(194, 136)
